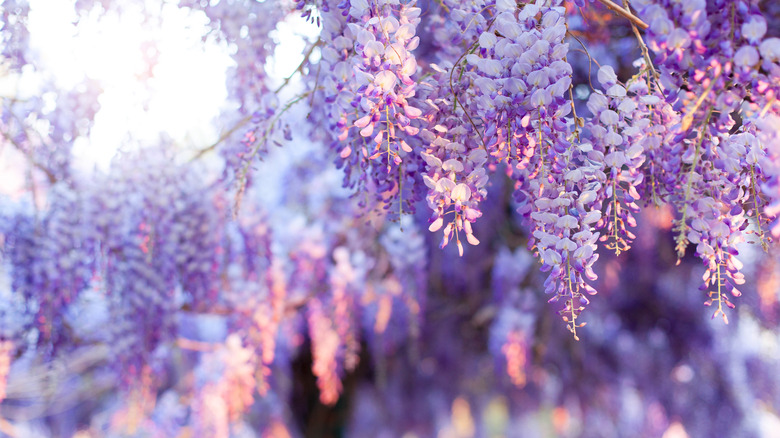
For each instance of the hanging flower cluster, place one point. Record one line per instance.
(617, 132)
(226, 385)
(709, 59)
(512, 331)
(555, 179)
(367, 87)
(6, 353)
(442, 106)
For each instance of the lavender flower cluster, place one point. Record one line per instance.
(278, 317)
(362, 91)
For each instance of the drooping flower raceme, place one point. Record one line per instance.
(365, 80)
(710, 55)
(617, 132)
(556, 179)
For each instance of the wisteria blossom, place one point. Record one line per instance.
(447, 218)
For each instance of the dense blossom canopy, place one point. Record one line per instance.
(379, 273)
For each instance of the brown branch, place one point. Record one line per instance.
(300, 66)
(625, 13)
(49, 175)
(246, 119)
(244, 171)
(27, 153)
(189, 344)
(645, 52)
(222, 138)
(590, 59)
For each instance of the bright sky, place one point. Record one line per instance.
(185, 92)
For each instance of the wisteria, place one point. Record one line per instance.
(446, 218)
(366, 84)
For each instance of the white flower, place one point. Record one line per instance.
(616, 91)
(574, 175)
(615, 159)
(770, 49)
(597, 102)
(436, 225)
(541, 47)
(452, 165)
(565, 244)
(507, 25)
(583, 252)
(538, 79)
(541, 98)
(364, 36)
(607, 76)
(627, 106)
(613, 138)
(431, 160)
(754, 29)
(477, 156)
(358, 8)
(559, 51)
(609, 117)
(444, 185)
(567, 222)
(405, 32)
(486, 85)
(396, 54)
(746, 56)
(373, 48)
(506, 5)
(487, 40)
(461, 193)
(389, 24)
(529, 11)
(592, 216)
(409, 67)
(678, 39)
(551, 257)
(490, 67)
(554, 34)
(560, 87)
(385, 80)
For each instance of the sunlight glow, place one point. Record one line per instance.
(159, 79)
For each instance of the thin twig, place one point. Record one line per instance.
(222, 138)
(246, 119)
(625, 13)
(242, 174)
(577, 120)
(300, 66)
(443, 6)
(645, 51)
(52, 179)
(455, 95)
(590, 59)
